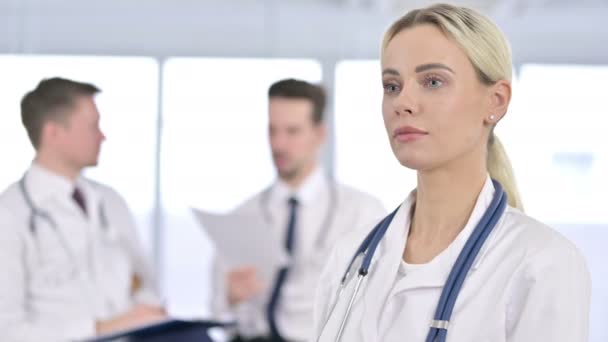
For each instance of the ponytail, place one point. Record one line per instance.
(501, 170)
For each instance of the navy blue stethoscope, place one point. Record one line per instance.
(439, 325)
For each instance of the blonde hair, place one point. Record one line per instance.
(489, 53)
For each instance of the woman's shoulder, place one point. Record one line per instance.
(538, 245)
(549, 271)
(532, 234)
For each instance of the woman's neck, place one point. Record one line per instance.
(445, 199)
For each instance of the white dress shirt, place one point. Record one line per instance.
(528, 283)
(325, 211)
(57, 280)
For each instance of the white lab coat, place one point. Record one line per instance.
(56, 282)
(528, 283)
(313, 243)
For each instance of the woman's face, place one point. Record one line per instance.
(436, 111)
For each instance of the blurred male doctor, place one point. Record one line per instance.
(71, 265)
(305, 208)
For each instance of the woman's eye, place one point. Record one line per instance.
(391, 88)
(433, 82)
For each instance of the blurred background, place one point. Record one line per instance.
(184, 109)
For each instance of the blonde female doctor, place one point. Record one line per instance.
(454, 262)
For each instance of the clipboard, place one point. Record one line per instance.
(172, 330)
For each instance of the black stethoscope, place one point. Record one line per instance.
(439, 325)
(328, 220)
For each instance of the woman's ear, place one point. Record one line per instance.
(499, 97)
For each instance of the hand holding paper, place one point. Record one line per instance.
(243, 283)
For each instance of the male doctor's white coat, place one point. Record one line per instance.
(57, 281)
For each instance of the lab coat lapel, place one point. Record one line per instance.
(383, 269)
(436, 272)
(94, 204)
(51, 192)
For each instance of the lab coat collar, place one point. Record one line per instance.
(43, 184)
(308, 192)
(435, 272)
(384, 268)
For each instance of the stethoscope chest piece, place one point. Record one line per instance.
(353, 271)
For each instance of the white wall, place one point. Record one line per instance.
(271, 28)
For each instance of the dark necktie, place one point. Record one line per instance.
(282, 275)
(78, 197)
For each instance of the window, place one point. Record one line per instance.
(364, 158)
(557, 141)
(128, 105)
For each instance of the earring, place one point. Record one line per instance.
(492, 117)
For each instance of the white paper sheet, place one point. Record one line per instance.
(244, 240)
